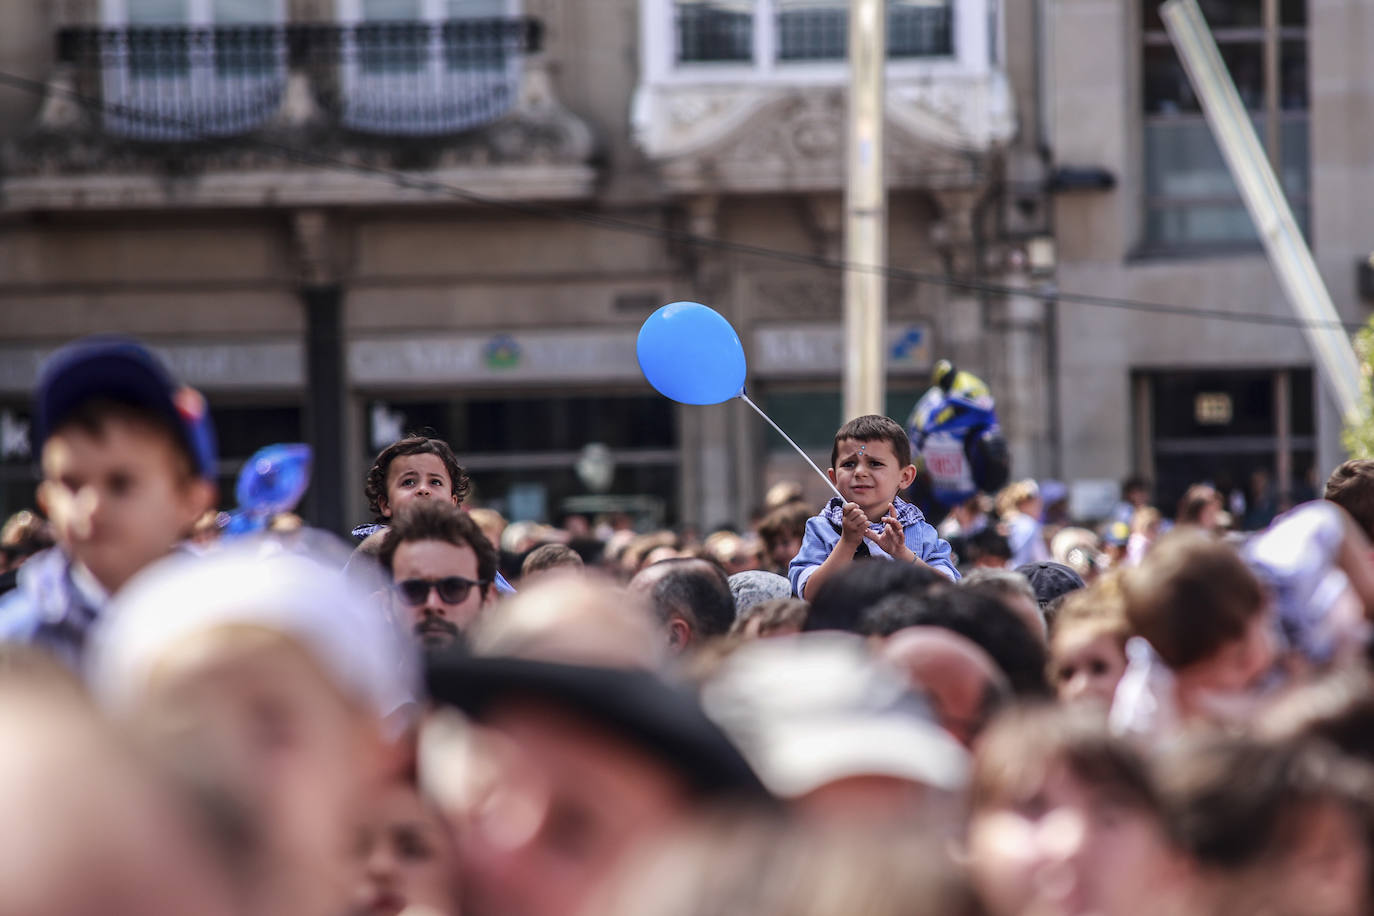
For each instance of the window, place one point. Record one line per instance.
(185, 69)
(1267, 425)
(1191, 199)
(522, 450)
(428, 66)
(765, 33)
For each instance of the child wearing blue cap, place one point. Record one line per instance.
(128, 463)
(870, 464)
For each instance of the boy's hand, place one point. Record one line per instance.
(855, 525)
(893, 537)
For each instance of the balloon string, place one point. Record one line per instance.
(745, 398)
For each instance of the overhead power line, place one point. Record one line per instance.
(417, 182)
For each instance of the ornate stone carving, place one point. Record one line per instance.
(774, 137)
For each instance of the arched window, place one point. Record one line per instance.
(188, 69)
(426, 67)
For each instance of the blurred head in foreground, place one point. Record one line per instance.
(261, 680)
(93, 831)
(834, 731)
(555, 771)
(1066, 819)
(770, 867)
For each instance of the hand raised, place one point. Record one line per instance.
(892, 539)
(855, 524)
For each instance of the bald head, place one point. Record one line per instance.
(962, 681)
(691, 598)
(572, 617)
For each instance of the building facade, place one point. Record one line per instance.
(1181, 398)
(349, 219)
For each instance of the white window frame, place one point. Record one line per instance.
(972, 42)
(115, 13)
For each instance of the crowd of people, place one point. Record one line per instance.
(843, 709)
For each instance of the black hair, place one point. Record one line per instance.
(874, 428)
(840, 601)
(976, 616)
(375, 488)
(699, 587)
(989, 543)
(436, 520)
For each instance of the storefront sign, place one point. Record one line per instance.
(254, 365)
(818, 349)
(526, 356)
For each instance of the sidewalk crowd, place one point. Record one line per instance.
(840, 710)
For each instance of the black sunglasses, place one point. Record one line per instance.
(452, 589)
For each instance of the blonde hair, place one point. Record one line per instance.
(1015, 495)
(1100, 607)
(765, 866)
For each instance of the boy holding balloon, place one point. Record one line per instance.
(870, 463)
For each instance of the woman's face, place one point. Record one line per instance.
(1071, 849)
(406, 857)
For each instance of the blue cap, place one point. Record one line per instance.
(123, 370)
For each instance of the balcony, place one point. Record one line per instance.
(464, 99)
(751, 92)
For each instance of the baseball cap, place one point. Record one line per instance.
(658, 718)
(1049, 580)
(122, 369)
(754, 586)
(815, 708)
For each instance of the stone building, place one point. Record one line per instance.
(1186, 398)
(346, 219)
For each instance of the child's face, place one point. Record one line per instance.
(406, 857)
(410, 477)
(1086, 665)
(118, 500)
(1071, 849)
(783, 550)
(867, 473)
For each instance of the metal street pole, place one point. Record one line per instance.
(865, 242)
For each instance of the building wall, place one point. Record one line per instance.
(1094, 112)
(186, 271)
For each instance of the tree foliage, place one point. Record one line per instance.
(1358, 437)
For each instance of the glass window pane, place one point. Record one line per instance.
(1293, 81)
(1183, 161)
(1293, 12)
(1220, 14)
(812, 30)
(244, 12)
(159, 12)
(1199, 224)
(391, 10)
(819, 29)
(1167, 90)
(1295, 155)
(475, 9)
(714, 30)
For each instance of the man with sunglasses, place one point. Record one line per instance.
(442, 568)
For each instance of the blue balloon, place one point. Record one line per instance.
(691, 354)
(273, 481)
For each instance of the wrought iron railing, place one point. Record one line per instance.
(390, 78)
